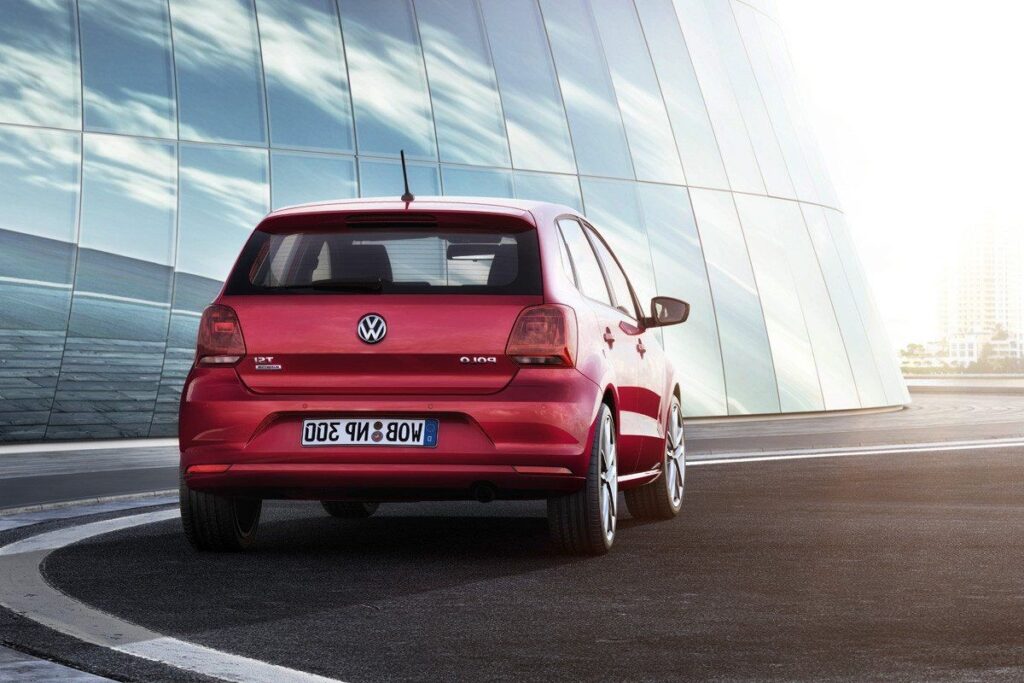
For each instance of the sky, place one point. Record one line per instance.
(918, 107)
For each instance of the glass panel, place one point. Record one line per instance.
(733, 141)
(464, 182)
(39, 78)
(680, 272)
(695, 138)
(858, 348)
(39, 195)
(746, 353)
(588, 272)
(537, 130)
(39, 182)
(119, 315)
(216, 54)
(384, 179)
(837, 384)
(307, 85)
(128, 197)
(884, 351)
(748, 96)
(464, 92)
(643, 110)
(782, 68)
(597, 134)
(389, 85)
(138, 100)
(301, 178)
(613, 208)
(778, 111)
(545, 187)
(224, 194)
(791, 348)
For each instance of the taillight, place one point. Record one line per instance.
(544, 335)
(220, 337)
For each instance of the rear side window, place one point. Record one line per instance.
(389, 260)
(617, 278)
(588, 273)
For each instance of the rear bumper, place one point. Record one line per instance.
(527, 440)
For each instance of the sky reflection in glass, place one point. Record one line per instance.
(597, 134)
(39, 77)
(129, 194)
(39, 182)
(224, 194)
(301, 178)
(307, 87)
(746, 353)
(138, 100)
(695, 138)
(795, 369)
(464, 92)
(389, 84)
(636, 86)
(466, 182)
(680, 272)
(537, 130)
(220, 81)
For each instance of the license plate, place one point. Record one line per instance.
(376, 431)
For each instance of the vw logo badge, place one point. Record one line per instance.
(371, 328)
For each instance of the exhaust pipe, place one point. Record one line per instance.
(483, 491)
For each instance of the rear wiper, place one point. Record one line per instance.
(374, 285)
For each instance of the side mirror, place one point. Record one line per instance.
(667, 311)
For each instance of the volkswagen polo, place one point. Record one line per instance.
(440, 349)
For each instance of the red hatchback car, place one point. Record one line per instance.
(378, 350)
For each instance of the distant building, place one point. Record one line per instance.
(983, 302)
(984, 289)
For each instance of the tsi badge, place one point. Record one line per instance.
(266, 363)
(477, 360)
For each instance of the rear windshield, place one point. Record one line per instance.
(389, 260)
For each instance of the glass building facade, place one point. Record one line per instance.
(141, 140)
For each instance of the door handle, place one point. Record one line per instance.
(609, 337)
(640, 348)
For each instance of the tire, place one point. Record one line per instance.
(349, 510)
(663, 497)
(583, 523)
(218, 523)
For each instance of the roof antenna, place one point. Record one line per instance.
(408, 196)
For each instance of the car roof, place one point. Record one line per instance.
(431, 203)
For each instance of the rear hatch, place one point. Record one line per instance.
(378, 303)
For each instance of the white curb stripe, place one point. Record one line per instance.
(839, 453)
(24, 591)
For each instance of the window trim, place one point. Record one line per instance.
(563, 248)
(593, 234)
(604, 276)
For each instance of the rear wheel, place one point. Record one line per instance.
(218, 523)
(349, 510)
(584, 522)
(663, 497)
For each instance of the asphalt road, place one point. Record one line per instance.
(905, 567)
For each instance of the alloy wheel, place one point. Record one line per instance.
(609, 478)
(675, 457)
